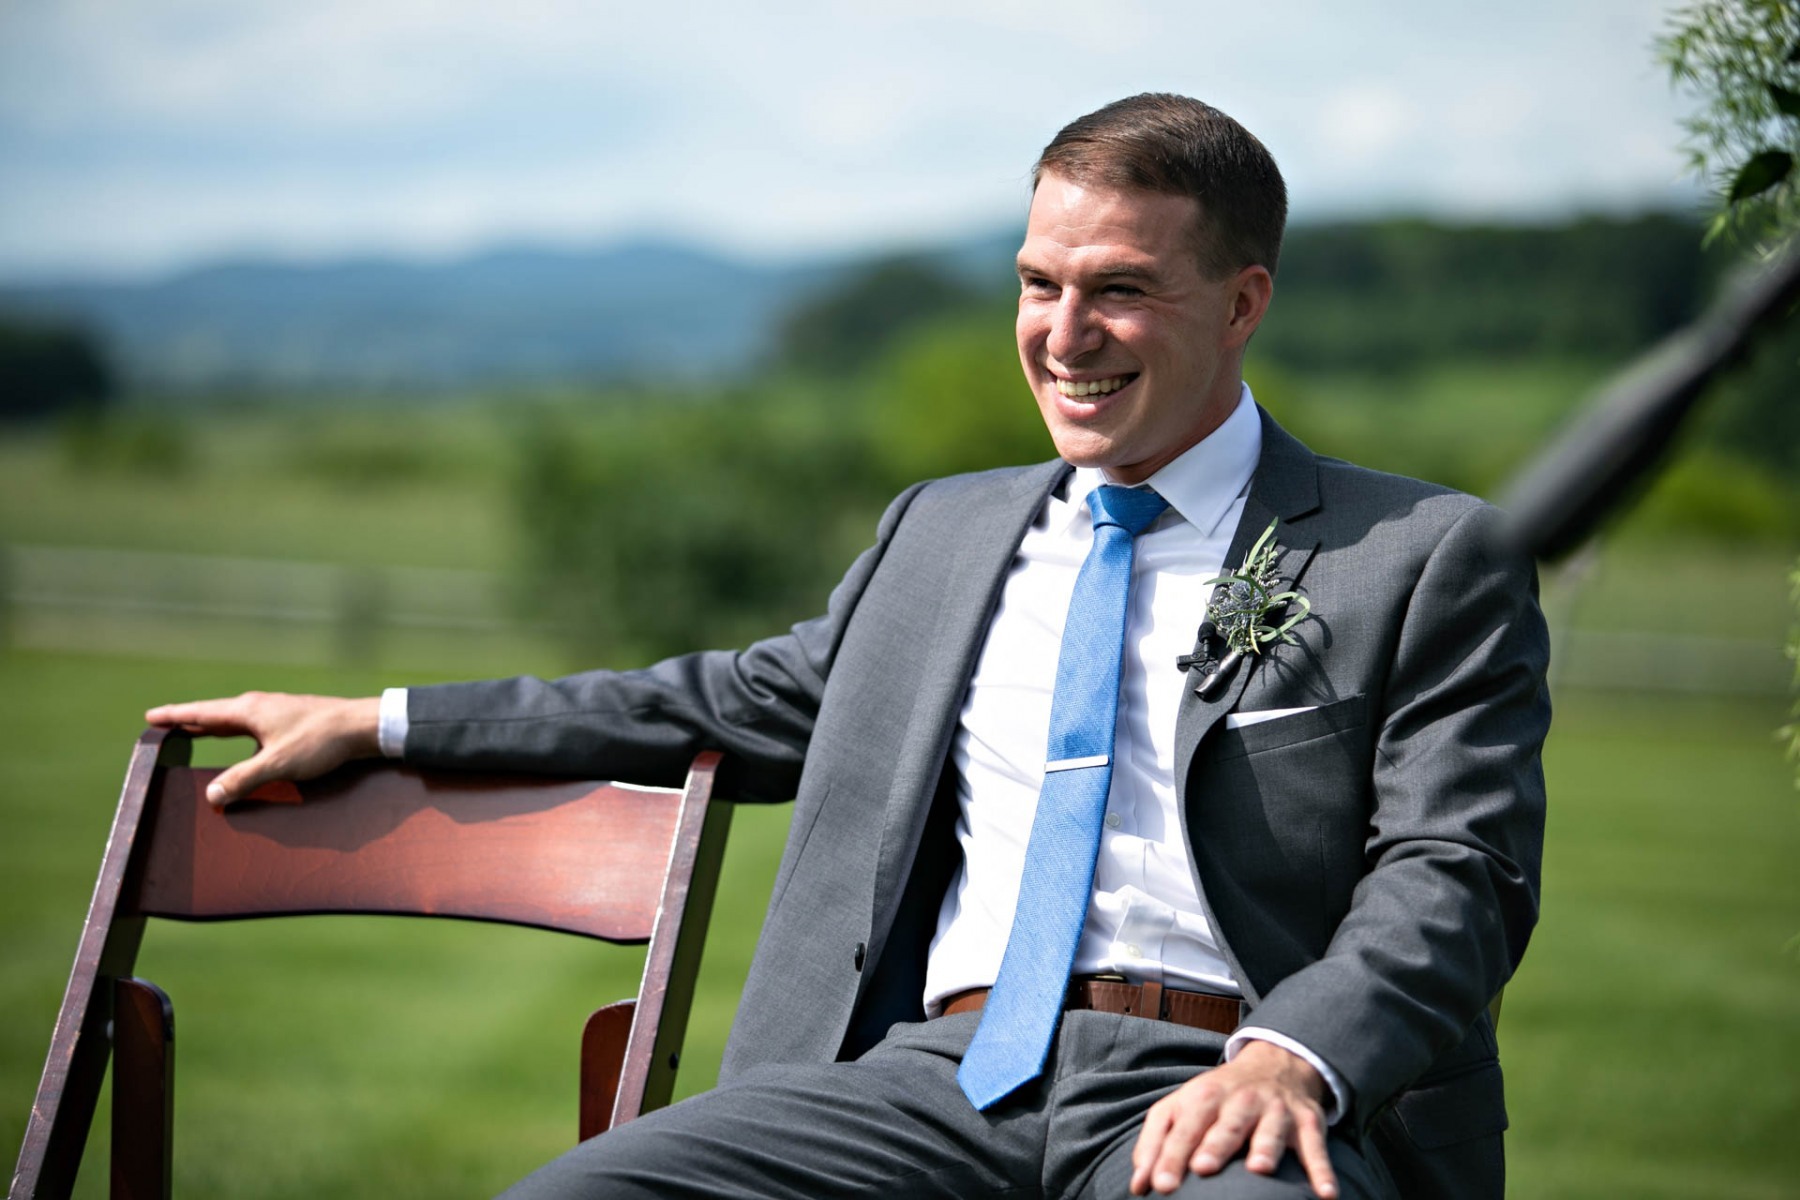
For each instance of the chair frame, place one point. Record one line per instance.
(629, 1049)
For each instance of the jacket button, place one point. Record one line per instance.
(858, 957)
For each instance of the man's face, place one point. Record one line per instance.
(1132, 352)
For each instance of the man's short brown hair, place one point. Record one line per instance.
(1159, 142)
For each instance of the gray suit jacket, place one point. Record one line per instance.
(1371, 866)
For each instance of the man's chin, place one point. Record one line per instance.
(1085, 451)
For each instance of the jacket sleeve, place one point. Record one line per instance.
(1440, 919)
(758, 705)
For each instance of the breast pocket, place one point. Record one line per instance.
(1283, 806)
(1340, 716)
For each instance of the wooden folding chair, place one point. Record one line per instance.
(625, 864)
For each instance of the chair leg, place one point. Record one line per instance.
(143, 1099)
(603, 1042)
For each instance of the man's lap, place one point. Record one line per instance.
(894, 1124)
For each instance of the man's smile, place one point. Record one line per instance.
(1077, 388)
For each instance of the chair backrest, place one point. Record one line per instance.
(605, 860)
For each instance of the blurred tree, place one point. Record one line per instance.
(1742, 59)
(853, 320)
(48, 369)
(713, 519)
(1395, 295)
(951, 398)
(125, 442)
(649, 531)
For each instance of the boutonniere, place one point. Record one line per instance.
(1248, 611)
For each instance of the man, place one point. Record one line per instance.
(1310, 861)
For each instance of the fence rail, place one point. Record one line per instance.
(277, 611)
(261, 610)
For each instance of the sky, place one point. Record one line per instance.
(138, 137)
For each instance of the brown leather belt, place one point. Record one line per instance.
(1196, 1010)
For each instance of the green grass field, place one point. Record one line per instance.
(1652, 1041)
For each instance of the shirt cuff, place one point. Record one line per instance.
(1338, 1103)
(390, 731)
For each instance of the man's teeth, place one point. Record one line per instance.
(1092, 387)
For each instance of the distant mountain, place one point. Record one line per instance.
(641, 310)
(1377, 295)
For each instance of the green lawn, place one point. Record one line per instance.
(1652, 1039)
(1652, 1042)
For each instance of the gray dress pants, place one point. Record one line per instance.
(894, 1124)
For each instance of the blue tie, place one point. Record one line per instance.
(1026, 1001)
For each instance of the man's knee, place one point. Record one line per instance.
(634, 1160)
(1357, 1177)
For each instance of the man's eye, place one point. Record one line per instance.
(1123, 289)
(1036, 287)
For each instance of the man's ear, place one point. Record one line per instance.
(1251, 290)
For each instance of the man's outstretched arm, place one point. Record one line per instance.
(298, 737)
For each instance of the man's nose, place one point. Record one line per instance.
(1074, 331)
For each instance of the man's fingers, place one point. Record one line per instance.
(219, 718)
(1172, 1128)
(239, 780)
(1309, 1144)
(232, 784)
(1162, 1156)
(1270, 1141)
(1226, 1135)
(1172, 1159)
(1149, 1145)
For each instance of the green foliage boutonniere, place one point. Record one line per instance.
(1245, 610)
(1245, 604)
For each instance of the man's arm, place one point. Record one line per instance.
(1454, 844)
(1441, 918)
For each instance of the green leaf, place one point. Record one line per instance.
(1785, 100)
(1761, 173)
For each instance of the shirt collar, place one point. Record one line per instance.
(1202, 483)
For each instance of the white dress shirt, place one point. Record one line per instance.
(1144, 919)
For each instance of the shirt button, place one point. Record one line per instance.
(1114, 820)
(1134, 951)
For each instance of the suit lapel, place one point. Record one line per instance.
(1285, 488)
(984, 541)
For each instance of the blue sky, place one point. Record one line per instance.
(139, 137)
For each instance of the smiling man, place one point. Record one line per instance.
(1131, 339)
(1088, 893)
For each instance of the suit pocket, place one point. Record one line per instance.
(1349, 713)
(1442, 1138)
(1468, 1104)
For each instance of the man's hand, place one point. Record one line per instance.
(298, 737)
(1264, 1096)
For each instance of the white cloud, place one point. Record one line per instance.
(155, 132)
(1365, 121)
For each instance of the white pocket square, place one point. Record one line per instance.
(1238, 720)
